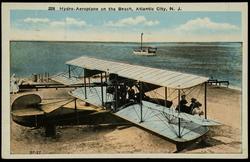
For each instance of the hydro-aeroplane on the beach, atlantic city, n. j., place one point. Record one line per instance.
(123, 89)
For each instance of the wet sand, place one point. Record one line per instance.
(224, 105)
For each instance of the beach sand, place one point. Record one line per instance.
(224, 105)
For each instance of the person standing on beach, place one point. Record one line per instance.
(14, 88)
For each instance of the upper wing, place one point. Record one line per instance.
(165, 78)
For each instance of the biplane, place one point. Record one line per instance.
(123, 90)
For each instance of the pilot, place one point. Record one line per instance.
(131, 93)
(183, 105)
(195, 107)
(192, 105)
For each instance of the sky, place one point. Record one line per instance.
(126, 26)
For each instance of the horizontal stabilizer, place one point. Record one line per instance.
(49, 107)
(66, 80)
(27, 112)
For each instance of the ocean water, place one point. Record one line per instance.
(220, 60)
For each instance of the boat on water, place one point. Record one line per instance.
(145, 51)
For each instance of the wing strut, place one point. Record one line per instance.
(69, 71)
(205, 99)
(102, 90)
(166, 96)
(141, 100)
(116, 96)
(179, 110)
(85, 88)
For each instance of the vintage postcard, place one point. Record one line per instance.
(124, 80)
